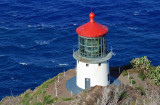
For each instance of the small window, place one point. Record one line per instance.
(87, 65)
(99, 64)
(78, 61)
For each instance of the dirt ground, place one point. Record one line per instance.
(62, 91)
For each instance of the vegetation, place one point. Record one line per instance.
(66, 99)
(141, 64)
(48, 100)
(133, 102)
(155, 76)
(32, 97)
(141, 76)
(133, 82)
(146, 70)
(123, 95)
(25, 99)
(124, 73)
(37, 103)
(130, 78)
(44, 85)
(142, 90)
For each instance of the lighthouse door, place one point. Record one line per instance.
(87, 83)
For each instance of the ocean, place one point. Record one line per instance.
(37, 36)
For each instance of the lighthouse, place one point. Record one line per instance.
(92, 55)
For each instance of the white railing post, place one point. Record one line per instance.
(64, 73)
(56, 92)
(144, 102)
(58, 78)
(55, 85)
(71, 93)
(11, 92)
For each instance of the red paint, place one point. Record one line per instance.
(92, 15)
(92, 29)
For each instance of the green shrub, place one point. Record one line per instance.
(44, 92)
(47, 99)
(156, 76)
(44, 85)
(141, 64)
(146, 70)
(124, 73)
(37, 103)
(123, 95)
(133, 82)
(66, 99)
(130, 78)
(26, 96)
(142, 76)
(142, 90)
(25, 99)
(50, 101)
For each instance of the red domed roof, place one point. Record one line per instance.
(92, 29)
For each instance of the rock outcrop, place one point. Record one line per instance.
(113, 95)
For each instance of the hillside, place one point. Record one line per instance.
(137, 87)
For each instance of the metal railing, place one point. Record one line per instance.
(78, 56)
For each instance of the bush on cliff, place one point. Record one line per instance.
(146, 70)
(155, 75)
(124, 73)
(141, 76)
(141, 64)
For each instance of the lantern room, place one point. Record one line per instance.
(91, 41)
(92, 47)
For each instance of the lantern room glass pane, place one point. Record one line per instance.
(92, 47)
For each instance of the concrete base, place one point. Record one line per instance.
(72, 86)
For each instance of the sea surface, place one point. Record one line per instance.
(37, 36)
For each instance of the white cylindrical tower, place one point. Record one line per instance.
(92, 56)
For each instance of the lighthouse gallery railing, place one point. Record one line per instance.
(79, 57)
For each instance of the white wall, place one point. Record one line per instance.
(98, 74)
